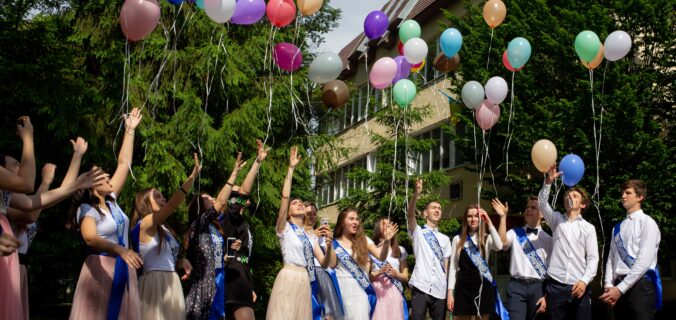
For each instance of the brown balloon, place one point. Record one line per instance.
(335, 94)
(445, 64)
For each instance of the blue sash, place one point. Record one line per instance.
(396, 283)
(357, 274)
(652, 274)
(531, 252)
(317, 308)
(217, 309)
(482, 266)
(434, 244)
(336, 286)
(121, 273)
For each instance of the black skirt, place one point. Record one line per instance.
(238, 285)
(467, 287)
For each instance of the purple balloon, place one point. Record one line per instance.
(248, 12)
(287, 56)
(403, 68)
(375, 24)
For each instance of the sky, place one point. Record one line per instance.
(351, 22)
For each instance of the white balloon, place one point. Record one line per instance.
(326, 67)
(617, 45)
(219, 10)
(472, 94)
(496, 90)
(415, 50)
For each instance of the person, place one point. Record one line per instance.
(469, 277)
(575, 256)
(389, 277)
(291, 296)
(159, 286)
(530, 248)
(632, 280)
(432, 250)
(240, 296)
(107, 286)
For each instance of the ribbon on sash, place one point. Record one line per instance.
(217, 309)
(652, 274)
(121, 273)
(317, 308)
(482, 266)
(396, 283)
(434, 245)
(357, 273)
(336, 286)
(531, 252)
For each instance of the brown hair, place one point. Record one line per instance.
(583, 193)
(360, 251)
(195, 210)
(465, 230)
(314, 207)
(377, 237)
(142, 208)
(639, 186)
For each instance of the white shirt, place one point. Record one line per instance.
(428, 275)
(394, 262)
(292, 247)
(641, 238)
(493, 242)
(575, 255)
(519, 264)
(159, 260)
(106, 227)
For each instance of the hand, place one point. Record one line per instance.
(24, 128)
(611, 295)
(186, 266)
(542, 304)
(239, 163)
(450, 302)
(578, 289)
(92, 178)
(197, 167)
(79, 146)
(131, 258)
(418, 186)
(500, 208)
(8, 244)
(552, 174)
(294, 157)
(328, 235)
(131, 120)
(484, 216)
(236, 245)
(262, 151)
(391, 231)
(48, 173)
(254, 296)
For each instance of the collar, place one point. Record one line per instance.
(634, 215)
(527, 226)
(433, 229)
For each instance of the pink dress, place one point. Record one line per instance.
(10, 284)
(390, 303)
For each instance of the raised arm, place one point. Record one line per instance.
(411, 223)
(251, 176)
(21, 217)
(496, 242)
(327, 259)
(543, 197)
(384, 251)
(224, 194)
(294, 159)
(502, 210)
(24, 181)
(131, 121)
(79, 149)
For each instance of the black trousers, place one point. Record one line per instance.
(562, 305)
(637, 303)
(421, 301)
(522, 298)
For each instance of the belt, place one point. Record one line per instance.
(527, 280)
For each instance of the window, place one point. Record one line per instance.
(442, 155)
(352, 112)
(337, 184)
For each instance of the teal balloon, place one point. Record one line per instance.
(409, 29)
(518, 52)
(404, 92)
(450, 41)
(587, 45)
(200, 4)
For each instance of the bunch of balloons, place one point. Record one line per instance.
(591, 52)
(486, 110)
(544, 157)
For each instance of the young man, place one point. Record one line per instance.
(631, 279)
(432, 250)
(530, 250)
(575, 255)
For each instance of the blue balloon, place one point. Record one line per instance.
(451, 41)
(175, 2)
(572, 168)
(518, 52)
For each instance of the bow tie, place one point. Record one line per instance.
(532, 230)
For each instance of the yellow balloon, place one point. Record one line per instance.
(309, 7)
(543, 155)
(494, 13)
(597, 60)
(419, 67)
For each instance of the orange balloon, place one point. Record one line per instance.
(494, 13)
(596, 62)
(309, 7)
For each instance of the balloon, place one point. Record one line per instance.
(487, 114)
(400, 48)
(472, 94)
(219, 10)
(335, 94)
(450, 41)
(281, 12)
(587, 44)
(446, 64)
(403, 69)
(175, 2)
(596, 62)
(415, 68)
(383, 72)
(325, 67)
(248, 12)
(404, 92)
(138, 18)
(617, 45)
(375, 24)
(494, 13)
(572, 168)
(496, 90)
(518, 52)
(287, 56)
(200, 4)
(415, 50)
(543, 155)
(309, 7)
(505, 62)
(409, 29)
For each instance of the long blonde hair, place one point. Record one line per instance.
(465, 231)
(360, 251)
(142, 208)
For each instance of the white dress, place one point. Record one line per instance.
(355, 301)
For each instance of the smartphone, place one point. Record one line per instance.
(229, 252)
(324, 222)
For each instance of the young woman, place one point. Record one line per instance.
(469, 276)
(107, 285)
(159, 286)
(291, 296)
(389, 277)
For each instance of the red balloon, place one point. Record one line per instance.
(400, 47)
(505, 62)
(138, 18)
(281, 12)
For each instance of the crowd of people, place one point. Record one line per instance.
(139, 269)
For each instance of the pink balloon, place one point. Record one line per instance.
(138, 18)
(281, 12)
(487, 114)
(287, 56)
(383, 72)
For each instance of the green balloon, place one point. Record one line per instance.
(587, 45)
(404, 92)
(409, 29)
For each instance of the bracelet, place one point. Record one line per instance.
(182, 190)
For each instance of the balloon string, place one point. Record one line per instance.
(490, 46)
(393, 190)
(368, 95)
(406, 159)
(596, 197)
(510, 129)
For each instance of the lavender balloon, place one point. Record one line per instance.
(403, 68)
(248, 12)
(375, 24)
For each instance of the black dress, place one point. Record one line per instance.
(238, 280)
(467, 289)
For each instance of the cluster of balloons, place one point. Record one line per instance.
(591, 52)
(544, 157)
(485, 101)
(517, 54)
